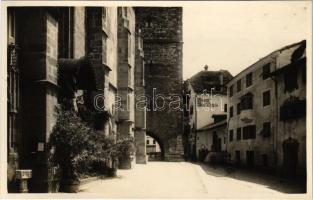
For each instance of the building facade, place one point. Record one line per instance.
(251, 109)
(256, 124)
(101, 46)
(49, 47)
(207, 96)
(213, 136)
(212, 140)
(290, 76)
(152, 145)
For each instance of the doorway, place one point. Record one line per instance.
(250, 159)
(290, 157)
(237, 157)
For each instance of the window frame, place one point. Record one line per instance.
(266, 71)
(231, 90)
(231, 135)
(231, 112)
(249, 132)
(238, 108)
(246, 101)
(225, 107)
(238, 85)
(249, 81)
(266, 98)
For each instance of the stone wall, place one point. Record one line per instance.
(96, 44)
(140, 111)
(79, 32)
(161, 30)
(125, 76)
(39, 51)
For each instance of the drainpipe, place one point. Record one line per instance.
(196, 126)
(276, 119)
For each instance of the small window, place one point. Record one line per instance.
(291, 79)
(231, 111)
(246, 101)
(249, 132)
(231, 135)
(148, 141)
(249, 79)
(239, 85)
(238, 108)
(238, 133)
(154, 142)
(225, 107)
(266, 98)
(266, 71)
(231, 91)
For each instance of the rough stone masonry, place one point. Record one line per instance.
(161, 30)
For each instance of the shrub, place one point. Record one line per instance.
(81, 151)
(70, 139)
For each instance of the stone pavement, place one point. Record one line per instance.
(185, 180)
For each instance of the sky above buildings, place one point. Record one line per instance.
(234, 35)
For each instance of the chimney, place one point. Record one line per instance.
(206, 67)
(221, 78)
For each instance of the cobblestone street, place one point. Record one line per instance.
(184, 180)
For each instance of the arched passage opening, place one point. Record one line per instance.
(154, 147)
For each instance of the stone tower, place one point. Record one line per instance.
(161, 30)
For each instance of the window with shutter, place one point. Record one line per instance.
(266, 71)
(249, 79)
(266, 98)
